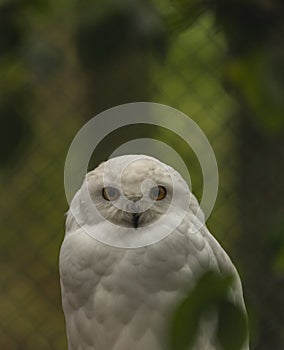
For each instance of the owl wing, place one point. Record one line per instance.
(225, 266)
(219, 258)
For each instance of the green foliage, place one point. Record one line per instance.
(10, 30)
(232, 326)
(181, 15)
(254, 67)
(258, 78)
(14, 90)
(14, 132)
(209, 294)
(108, 30)
(274, 244)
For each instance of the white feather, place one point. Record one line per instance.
(122, 299)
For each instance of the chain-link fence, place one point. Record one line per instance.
(49, 90)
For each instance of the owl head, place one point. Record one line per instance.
(134, 193)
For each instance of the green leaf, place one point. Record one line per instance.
(210, 293)
(232, 326)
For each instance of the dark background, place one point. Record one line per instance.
(61, 63)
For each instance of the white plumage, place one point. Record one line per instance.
(117, 298)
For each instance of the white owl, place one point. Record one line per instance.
(135, 244)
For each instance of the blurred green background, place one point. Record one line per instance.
(62, 62)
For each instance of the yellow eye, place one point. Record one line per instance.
(158, 193)
(110, 193)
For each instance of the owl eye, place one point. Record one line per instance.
(110, 193)
(158, 193)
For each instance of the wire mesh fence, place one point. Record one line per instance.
(59, 95)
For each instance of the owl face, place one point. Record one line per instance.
(130, 201)
(133, 191)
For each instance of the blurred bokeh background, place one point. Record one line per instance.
(62, 62)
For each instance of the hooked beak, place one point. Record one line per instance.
(135, 219)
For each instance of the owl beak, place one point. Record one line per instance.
(135, 219)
